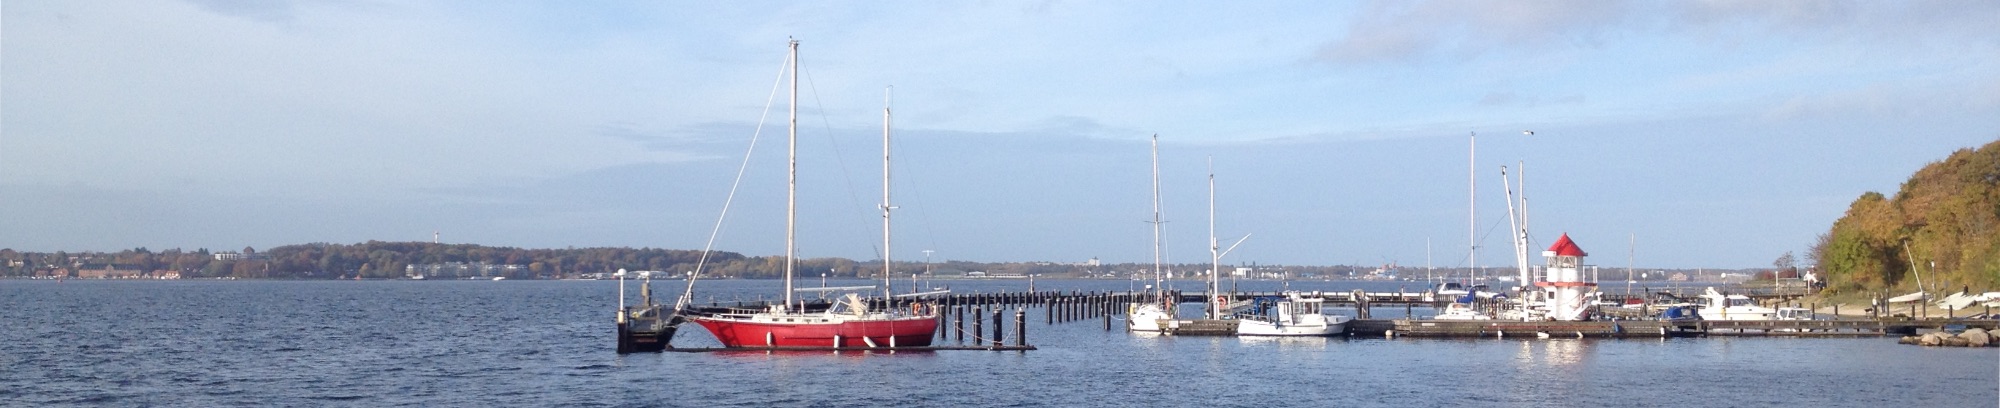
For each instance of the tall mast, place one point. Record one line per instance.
(1158, 284)
(1471, 203)
(1521, 176)
(1518, 221)
(1631, 248)
(886, 265)
(1214, 250)
(792, 180)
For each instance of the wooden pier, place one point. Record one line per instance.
(964, 319)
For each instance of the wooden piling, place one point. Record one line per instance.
(1051, 311)
(1021, 327)
(999, 327)
(978, 324)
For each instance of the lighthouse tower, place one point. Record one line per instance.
(1565, 284)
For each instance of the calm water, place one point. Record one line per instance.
(548, 343)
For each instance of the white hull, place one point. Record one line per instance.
(1325, 326)
(1460, 311)
(1294, 316)
(1716, 306)
(1145, 317)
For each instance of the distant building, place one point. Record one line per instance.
(227, 256)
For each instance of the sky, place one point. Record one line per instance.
(1700, 134)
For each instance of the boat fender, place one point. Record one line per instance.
(1579, 335)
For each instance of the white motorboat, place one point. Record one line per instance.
(1292, 316)
(1717, 306)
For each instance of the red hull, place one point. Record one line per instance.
(907, 331)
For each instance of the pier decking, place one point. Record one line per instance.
(967, 315)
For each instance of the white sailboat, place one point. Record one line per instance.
(1154, 315)
(1463, 297)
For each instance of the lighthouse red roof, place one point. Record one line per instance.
(1565, 247)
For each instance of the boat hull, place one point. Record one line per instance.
(631, 341)
(1146, 317)
(821, 331)
(1331, 325)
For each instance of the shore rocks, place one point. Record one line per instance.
(1974, 337)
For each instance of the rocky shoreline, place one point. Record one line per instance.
(1973, 337)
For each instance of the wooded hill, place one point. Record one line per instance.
(1944, 223)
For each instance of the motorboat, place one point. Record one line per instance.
(647, 326)
(1292, 315)
(1717, 306)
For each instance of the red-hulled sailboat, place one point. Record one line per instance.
(849, 322)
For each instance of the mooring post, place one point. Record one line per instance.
(1107, 322)
(1069, 308)
(1052, 311)
(999, 328)
(978, 324)
(1020, 327)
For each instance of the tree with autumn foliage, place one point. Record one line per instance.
(1943, 223)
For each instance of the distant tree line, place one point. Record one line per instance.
(391, 260)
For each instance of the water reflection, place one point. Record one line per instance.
(1285, 342)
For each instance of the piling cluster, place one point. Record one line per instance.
(1973, 337)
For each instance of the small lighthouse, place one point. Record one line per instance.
(1565, 284)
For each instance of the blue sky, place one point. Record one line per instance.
(1712, 134)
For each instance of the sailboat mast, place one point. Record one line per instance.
(1521, 176)
(1214, 250)
(792, 180)
(1471, 203)
(1158, 284)
(886, 265)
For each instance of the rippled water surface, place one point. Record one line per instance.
(548, 343)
